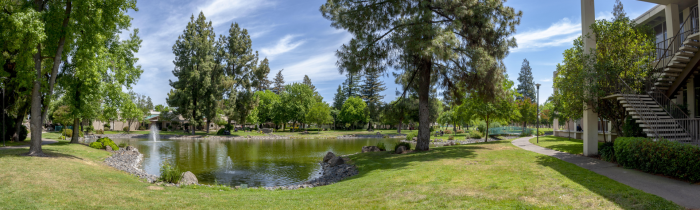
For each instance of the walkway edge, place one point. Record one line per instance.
(682, 193)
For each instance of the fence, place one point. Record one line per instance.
(510, 130)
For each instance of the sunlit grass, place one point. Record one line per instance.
(571, 146)
(494, 175)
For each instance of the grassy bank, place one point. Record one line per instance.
(493, 175)
(571, 146)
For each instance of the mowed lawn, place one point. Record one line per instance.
(495, 175)
(562, 144)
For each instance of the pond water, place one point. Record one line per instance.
(251, 162)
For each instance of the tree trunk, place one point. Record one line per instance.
(399, 128)
(208, 125)
(423, 142)
(76, 131)
(486, 132)
(35, 146)
(18, 124)
(57, 60)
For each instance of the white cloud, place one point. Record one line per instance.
(546, 80)
(283, 45)
(319, 68)
(558, 34)
(223, 11)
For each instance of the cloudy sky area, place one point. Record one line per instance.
(295, 37)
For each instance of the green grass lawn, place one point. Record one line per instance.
(493, 175)
(562, 144)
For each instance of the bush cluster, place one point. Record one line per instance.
(126, 129)
(475, 134)
(482, 126)
(410, 136)
(405, 144)
(381, 146)
(169, 172)
(103, 143)
(460, 131)
(451, 137)
(143, 128)
(100, 131)
(665, 157)
(448, 131)
(228, 127)
(607, 151)
(221, 131)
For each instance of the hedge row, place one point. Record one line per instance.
(665, 157)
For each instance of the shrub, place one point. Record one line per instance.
(107, 142)
(405, 144)
(410, 136)
(126, 129)
(659, 157)
(89, 129)
(123, 144)
(228, 127)
(381, 146)
(607, 152)
(448, 131)
(106, 126)
(632, 129)
(221, 131)
(97, 145)
(143, 128)
(169, 173)
(475, 135)
(68, 132)
(460, 131)
(451, 137)
(100, 131)
(22, 133)
(540, 133)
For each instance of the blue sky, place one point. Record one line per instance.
(296, 38)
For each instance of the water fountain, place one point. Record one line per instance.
(154, 136)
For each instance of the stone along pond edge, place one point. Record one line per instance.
(334, 169)
(248, 137)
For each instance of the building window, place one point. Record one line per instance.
(661, 36)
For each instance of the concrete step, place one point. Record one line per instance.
(672, 70)
(644, 109)
(680, 59)
(652, 117)
(688, 49)
(636, 112)
(691, 43)
(677, 65)
(685, 54)
(665, 130)
(695, 36)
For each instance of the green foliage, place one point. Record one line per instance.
(475, 134)
(353, 110)
(126, 129)
(665, 157)
(296, 101)
(607, 152)
(221, 131)
(143, 128)
(405, 144)
(526, 87)
(410, 136)
(228, 127)
(381, 146)
(68, 132)
(107, 142)
(460, 131)
(123, 144)
(97, 145)
(169, 172)
(23, 132)
(632, 129)
(482, 126)
(320, 114)
(451, 137)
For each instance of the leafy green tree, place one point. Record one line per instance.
(278, 82)
(339, 99)
(372, 88)
(499, 109)
(296, 100)
(461, 39)
(195, 70)
(353, 111)
(268, 101)
(351, 86)
(260, 81)
(526, 88)
(161, 108)
(320, 113)
(246, 103)
(527, 110)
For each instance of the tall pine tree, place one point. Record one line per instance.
(371, 92)
(279, 83)
(339, 99)
(526, 87)
(196, 86)
(307, 82)
(351, 86)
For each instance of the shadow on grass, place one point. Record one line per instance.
(48, 151)
(624, 196)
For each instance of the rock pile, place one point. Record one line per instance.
(128, 160)
(370, 149)
(335, 169)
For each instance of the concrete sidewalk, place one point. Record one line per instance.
(43, 142)
(682, 193)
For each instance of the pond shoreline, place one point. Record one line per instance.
(248, 137)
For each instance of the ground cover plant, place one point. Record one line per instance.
(477, 176)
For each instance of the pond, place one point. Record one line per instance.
(252, 162)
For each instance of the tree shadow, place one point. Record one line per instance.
(624, 196)
(48, 151)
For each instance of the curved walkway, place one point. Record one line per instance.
(43, 142)
(682, 193)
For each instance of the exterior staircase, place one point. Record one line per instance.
(678, 61)
(654, 120)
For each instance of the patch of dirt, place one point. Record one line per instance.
(470, 162)
(155, 188)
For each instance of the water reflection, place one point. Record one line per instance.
(251, 162)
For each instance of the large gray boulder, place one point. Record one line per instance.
(109, 148)
(130, 148)
(336, 161)
(370, 149)
(400, 150)
(328, 157)
(188, 178)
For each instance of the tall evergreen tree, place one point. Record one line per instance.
(351, 86)
(526, 88)
(261, 82)
(339, 99)
(307, 82)
(460, 43)
(372, 87)
(195, 88)
(279, 83)
(618, 11)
